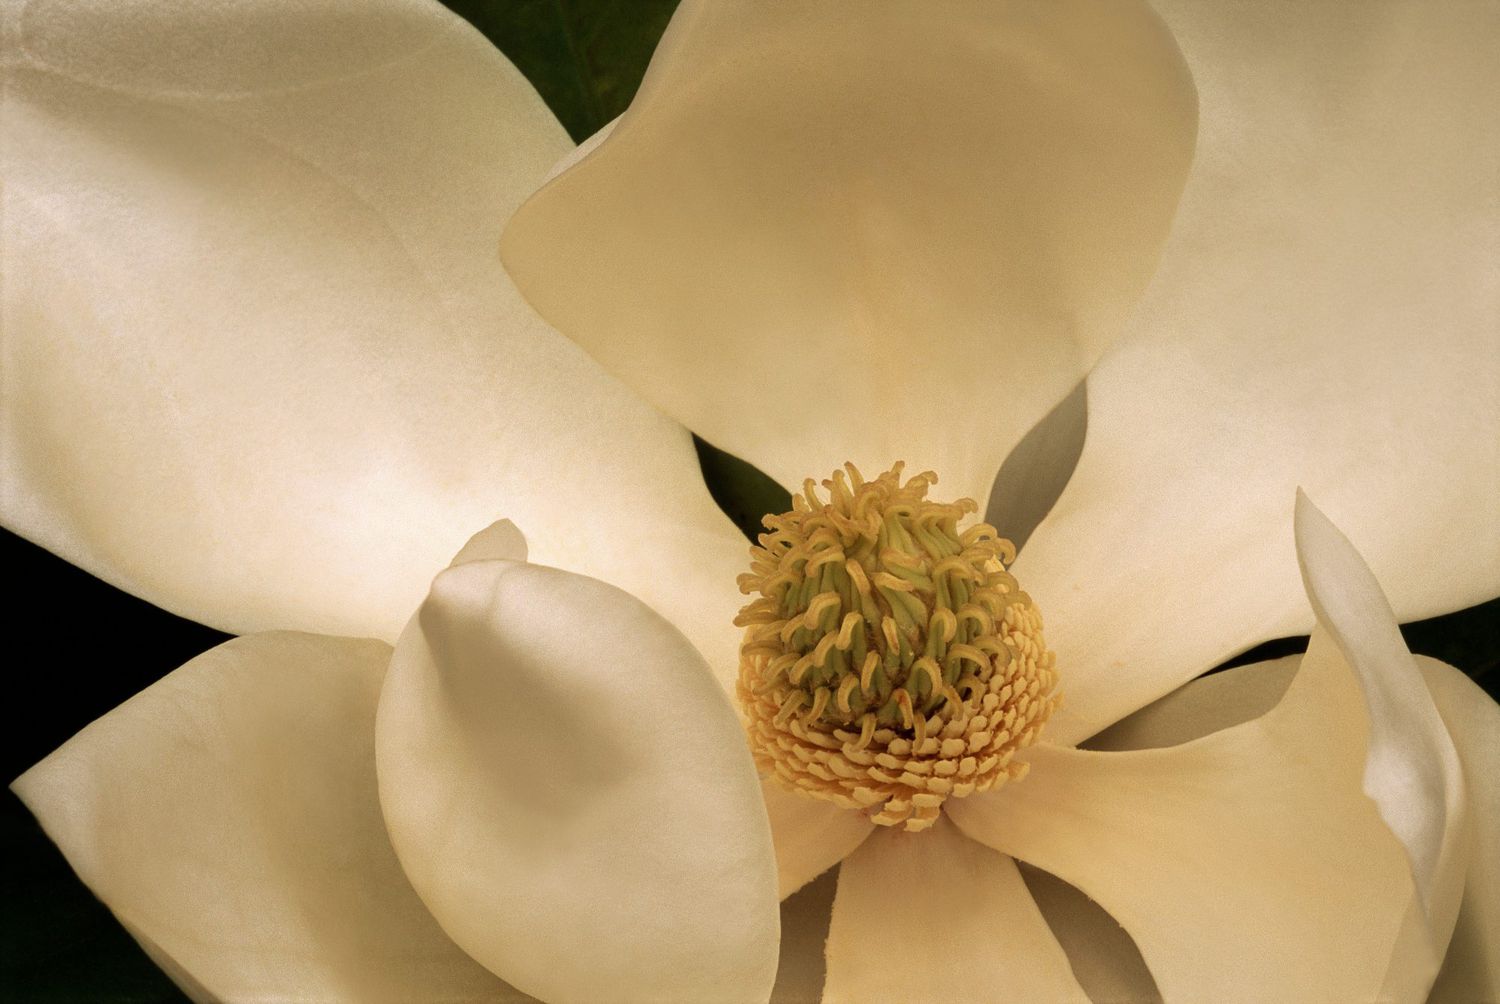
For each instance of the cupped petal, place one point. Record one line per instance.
(569, 790)
(811, 835)
(1246, 865)
(1471, 969)
(1324, 316)
(261, 364)
(228, 815)
(901, 234)
(934, 916)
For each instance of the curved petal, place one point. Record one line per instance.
(1471, 966)
(1246, 865)
(261, 364)
(1324, 315)
(933, 916)
(817, 237)
(228, 816)
(811, 835)
(563, 779)
(1471, 969)
(1412, 771)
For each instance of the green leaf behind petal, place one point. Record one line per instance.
(585, 57)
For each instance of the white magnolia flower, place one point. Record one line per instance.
(263, 367)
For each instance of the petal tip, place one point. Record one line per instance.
(500, 541)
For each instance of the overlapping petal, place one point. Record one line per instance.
(568, 789)
(1341, 807)
(1246, 865)
(904, 234)
(1324, 315)
(1471, 965)
(228, 816)
(934, 916)
(261, 363)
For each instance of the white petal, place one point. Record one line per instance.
(1471, 970)
(228, 816)
(1324, 316)
(1471, 967)
(1411, 770)
(811, 835)
(261, 364)
(569, 791)
(933, 916)
(903, 234)
(1246, 865)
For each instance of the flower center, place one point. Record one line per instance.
(890, 661)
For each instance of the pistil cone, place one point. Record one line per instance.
(890, 662)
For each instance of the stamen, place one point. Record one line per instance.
(890, 661)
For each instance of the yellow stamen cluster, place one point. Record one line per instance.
(890, 661)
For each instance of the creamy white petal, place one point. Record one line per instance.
(811, 835)
(1246, 865)
(568, 788)
(1471, 969)
(261, 364)
(905, 233)
(228, 816)
(1411, 768)
(934, 916)
(1471, 965)
(1325, 315)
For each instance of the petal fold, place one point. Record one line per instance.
(906, 234)
(569, 791)
(934, 916)
(1324, 315)
(261, 364)
(1246, 865)
(228, 816)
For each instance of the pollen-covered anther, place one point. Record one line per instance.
(890, 662)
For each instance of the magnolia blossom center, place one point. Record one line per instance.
(890, 661)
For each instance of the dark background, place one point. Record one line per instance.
(586, 58)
